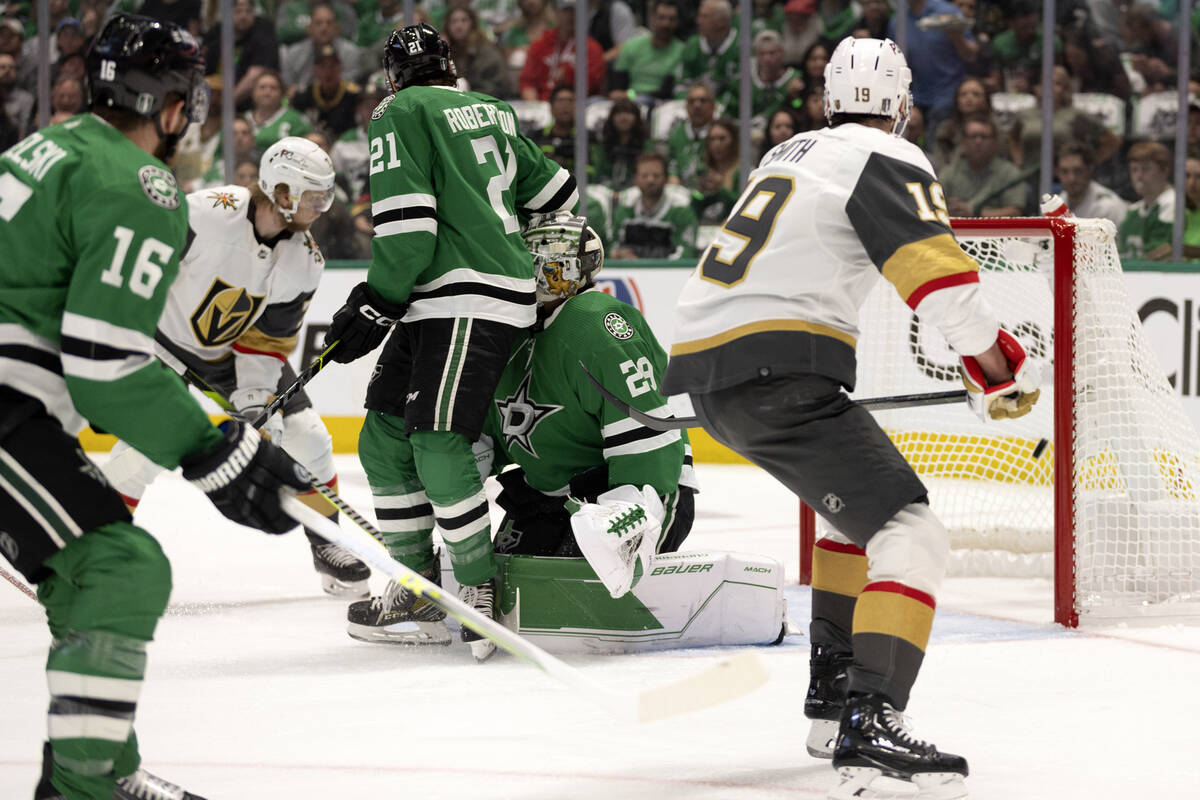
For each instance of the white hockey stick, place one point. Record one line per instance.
(728, 680)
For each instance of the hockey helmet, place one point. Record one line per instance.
(415, 55)
(869, 76)
(137, 61)
(303, 167)
(567, 254)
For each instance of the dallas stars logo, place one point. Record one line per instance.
(520, 414)
(223, 199)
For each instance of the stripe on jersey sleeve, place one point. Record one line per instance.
(919, 268)
(101, 351)
(560, 192)
(405, 213)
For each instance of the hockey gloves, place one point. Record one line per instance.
(1008, 399)
(618, 534)
(243, 475)
(251, 403)
(361, 324)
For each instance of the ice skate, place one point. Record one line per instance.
(825, 699)
(342, 575)
(399, 616)
(482, 598)
(142, 785)
(874, 745)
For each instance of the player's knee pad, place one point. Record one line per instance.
(130, 472)
(911, 548)
(306, 440)
(385, 452)
(446, 464)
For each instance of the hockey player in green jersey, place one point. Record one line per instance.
(92, 225)
(449, 173)
(581, 463)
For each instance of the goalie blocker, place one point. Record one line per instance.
(683, 600)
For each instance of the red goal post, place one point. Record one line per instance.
(1117, 524)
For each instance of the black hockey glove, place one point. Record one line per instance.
(243, 474)
(361, 324)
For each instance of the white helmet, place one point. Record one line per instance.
(869, 76)
(567, 254)
(303, 167)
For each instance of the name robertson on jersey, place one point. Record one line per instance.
(480, 115)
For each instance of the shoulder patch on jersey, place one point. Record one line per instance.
(160, 186)
(382, 107)
(615, 324)
(223, 200)
(313, 249)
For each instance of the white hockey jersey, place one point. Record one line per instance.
(778, 290)
(236, 294)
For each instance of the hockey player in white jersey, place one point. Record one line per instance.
(764, 345)
(233, 316)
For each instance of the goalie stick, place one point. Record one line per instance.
(870, 403)
(725, 681)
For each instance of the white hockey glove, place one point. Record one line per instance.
(1009, 399)
(251, 402)
(618, 534)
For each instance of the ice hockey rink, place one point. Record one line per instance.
(255, 691)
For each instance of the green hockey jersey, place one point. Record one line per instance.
(549, 419)
(666, 231)
(92, 228)
(450, 173)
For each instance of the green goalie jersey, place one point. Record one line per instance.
(449, 176)
(549, 419)
(92, 228)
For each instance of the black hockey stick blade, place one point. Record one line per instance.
(870, 403)
(641, 417)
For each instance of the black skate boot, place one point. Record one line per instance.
(142, 785)
(399, 616)
(482, 598)
(828, 677)
(874, 741)
(342, 575)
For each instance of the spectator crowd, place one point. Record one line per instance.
(662, 97)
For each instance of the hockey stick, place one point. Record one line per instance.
(17, 582)
(676, 423)
(725, 681)
(287, 394)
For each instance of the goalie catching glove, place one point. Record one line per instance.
(361, 324)
(1008, 399)
(243, 476)
(618, 534)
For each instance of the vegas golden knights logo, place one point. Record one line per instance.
(224, 314)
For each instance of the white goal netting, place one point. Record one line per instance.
(1133, 531)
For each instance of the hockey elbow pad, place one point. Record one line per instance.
(1008, 399)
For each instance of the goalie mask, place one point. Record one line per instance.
(567, 254)
(304, 168)
(869, 76)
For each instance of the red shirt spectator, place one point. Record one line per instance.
(551, 60)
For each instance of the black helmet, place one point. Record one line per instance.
(136, 62)
(416, 55)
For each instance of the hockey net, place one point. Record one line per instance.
(1099, 486)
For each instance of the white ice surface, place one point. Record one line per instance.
(255, 691)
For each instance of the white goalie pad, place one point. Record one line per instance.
(618, 534)
(684, 600)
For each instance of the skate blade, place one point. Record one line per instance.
(406, 633)
(345, 589)
(822, 736)
(869, 783)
